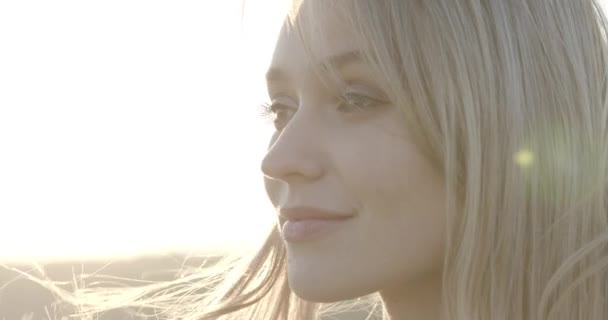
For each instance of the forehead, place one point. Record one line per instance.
(316, 34)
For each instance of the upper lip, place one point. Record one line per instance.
(302, 213)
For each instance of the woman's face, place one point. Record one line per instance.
(354, 158)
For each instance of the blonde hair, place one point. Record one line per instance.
(509, 100)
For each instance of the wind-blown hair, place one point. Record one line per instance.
(508, 99)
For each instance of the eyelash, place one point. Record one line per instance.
(269, 111)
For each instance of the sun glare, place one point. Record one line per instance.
(130, 127)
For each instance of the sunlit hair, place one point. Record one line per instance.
(508, 100)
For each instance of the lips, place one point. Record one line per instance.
(301, 223)
(302, 231)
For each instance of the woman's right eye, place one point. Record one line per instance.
(276, 112)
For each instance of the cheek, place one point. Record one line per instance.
(398, 238)
(381, 177)
(381, 163)
(403, 205)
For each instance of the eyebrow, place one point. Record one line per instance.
(336, 61)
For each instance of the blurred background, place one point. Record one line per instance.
(131, 127)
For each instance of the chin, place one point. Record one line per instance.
(322, 291)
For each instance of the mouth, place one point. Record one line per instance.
(302, 230)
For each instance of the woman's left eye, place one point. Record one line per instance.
(356, 101)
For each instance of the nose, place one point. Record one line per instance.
(295, 152)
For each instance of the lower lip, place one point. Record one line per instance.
(304, 230)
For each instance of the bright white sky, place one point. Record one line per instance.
(131, 126)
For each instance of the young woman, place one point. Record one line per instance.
(453, 155)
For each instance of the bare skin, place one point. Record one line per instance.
(358, 160)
